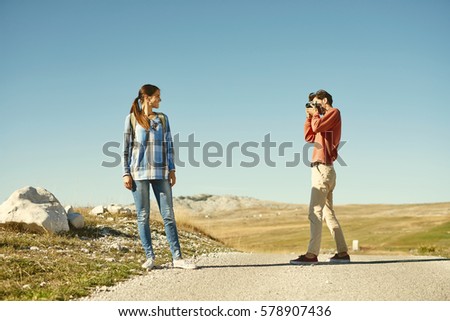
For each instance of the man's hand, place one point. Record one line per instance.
(308, 116)
(311, 112)
(172, 178)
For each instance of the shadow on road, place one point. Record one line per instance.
(324, 263)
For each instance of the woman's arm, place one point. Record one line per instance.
(127, 150)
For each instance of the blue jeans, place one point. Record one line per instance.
(163, 193)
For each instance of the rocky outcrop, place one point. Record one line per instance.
(34, 209)
(218, 203)
(111, 209)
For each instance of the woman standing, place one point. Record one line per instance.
(148, 161)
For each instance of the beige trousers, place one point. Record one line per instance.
(321, 208)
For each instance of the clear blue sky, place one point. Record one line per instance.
(229, 71)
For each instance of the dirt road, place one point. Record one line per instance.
(269, 277)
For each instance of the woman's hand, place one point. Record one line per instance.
(128, 182)
(172, 178)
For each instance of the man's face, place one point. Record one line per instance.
(320, 103)
(317, 101)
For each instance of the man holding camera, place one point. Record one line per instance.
(323, 128)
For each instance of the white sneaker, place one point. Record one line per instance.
(149, 264)
(184, 264)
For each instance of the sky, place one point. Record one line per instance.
(232, 74)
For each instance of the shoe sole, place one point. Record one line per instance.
(339, 261)
(302, 263)
(148, 267)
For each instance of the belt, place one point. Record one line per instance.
(314, 164)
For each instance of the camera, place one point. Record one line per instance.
(312, 105)
(319, 107)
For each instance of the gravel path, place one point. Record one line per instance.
(269, 277)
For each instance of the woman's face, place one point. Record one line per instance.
(153, 100)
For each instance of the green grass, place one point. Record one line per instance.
(435, 241)
(70, 265)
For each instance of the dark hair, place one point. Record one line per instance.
(148, 90)
(321, 94)
(311, 96)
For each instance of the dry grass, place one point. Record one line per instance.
(399, 229)
(71, 265)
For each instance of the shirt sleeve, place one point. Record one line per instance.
(309, 134)
(127, 146)
(170, 148)
(327, 122)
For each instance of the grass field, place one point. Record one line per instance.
(407, 229)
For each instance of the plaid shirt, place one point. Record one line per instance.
(148, 154)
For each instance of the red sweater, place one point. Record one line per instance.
(325, 133)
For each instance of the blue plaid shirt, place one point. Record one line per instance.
(148, 154)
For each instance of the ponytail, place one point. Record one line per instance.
(148, 90)
(138, 114)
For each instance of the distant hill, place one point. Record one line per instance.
(207, 203)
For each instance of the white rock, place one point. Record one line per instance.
(114, 209)
(36, 209)
(126, 211)
(98, 210)
(132, 207)
(115, 246)
(76, 220)
(69, 209)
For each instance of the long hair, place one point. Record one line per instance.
(148, 90)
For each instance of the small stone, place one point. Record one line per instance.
(69, 209)
(98, 210)
(76, 220)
